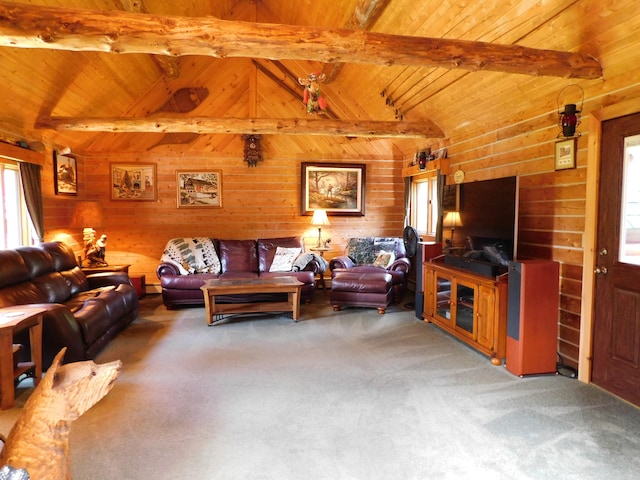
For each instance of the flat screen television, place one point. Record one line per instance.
(489, 209)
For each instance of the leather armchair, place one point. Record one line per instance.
(361, 253)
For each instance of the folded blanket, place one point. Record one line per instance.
(304, 258)
(192, 255)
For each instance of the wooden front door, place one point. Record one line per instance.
(616, 335)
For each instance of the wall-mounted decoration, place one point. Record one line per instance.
(133, 181)
(65, 168)
(569, 115)
(451, 198)
(565, 154)
(311, 97)
(199, 189)
(338, 188)
(252, 149)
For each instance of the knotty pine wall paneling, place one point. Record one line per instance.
(262, 201)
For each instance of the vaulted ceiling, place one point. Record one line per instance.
(74, 84)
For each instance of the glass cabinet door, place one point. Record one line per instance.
(443, 298)
(465, 300)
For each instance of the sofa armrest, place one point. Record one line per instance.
(167, 269)
(107, 279)
(315, 266)
(60, 329)
(341, 261)
(400, 265)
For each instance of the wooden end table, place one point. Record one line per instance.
(12, 320)
(320, 282)
(108, 268)
(215, 287)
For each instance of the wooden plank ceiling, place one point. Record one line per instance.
(40, 83)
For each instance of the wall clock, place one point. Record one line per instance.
(458, 176)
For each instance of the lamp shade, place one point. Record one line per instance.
(452, 220)
(320, 218)
(87, 214)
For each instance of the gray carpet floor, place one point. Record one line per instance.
(338, 395)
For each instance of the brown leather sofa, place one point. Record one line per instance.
(359, 257)
(238, 259)
(84, 312)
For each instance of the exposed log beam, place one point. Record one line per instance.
(268, 126)
(168, 65)
(364, 15)
(28, 26)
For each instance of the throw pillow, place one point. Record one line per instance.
(283, 259)
(384, 259)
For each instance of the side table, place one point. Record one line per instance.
(12, 320)
(108, 268)
(320, 282)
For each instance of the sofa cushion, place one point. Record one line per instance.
(61, 254)
(21, 294)
(238, 256)
(364, 250)
(284, 258)
(384, 259)
(13, 270)
(76, 279)
(93, 319)
(38, 261)
(54, 286)
(267, 248)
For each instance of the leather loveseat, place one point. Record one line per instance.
(362, 256)
(84, 312)
(188, 262)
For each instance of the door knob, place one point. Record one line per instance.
(600, 271)
(603, 252)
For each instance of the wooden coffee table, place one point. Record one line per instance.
(213, 288)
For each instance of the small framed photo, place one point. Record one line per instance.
(133, 181)
(202, 188)
(565, 154)
(338, 188)
(65, 169)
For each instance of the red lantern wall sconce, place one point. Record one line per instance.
(569, 115)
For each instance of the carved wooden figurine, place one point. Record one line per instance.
(39, 441)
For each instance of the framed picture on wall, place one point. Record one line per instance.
(65, 169)
(201, 188)
(133, 181)
(338, 188)
(565, 154)
(451, 198)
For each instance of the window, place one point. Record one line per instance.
(424, 206)
(16, 229)
(630, 221)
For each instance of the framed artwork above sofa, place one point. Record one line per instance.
(338, 188)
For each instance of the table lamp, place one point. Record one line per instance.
(88, 215)
(452, 220)
(320, 218)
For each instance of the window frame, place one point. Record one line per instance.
(26, 232)
(416, 210)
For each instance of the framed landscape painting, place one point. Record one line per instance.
(338, 188)
(65, 169)
(133, 181)
(199, 189)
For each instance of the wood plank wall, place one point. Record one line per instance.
(551, 206)
(262, 201)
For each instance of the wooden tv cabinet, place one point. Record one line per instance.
(476, 312)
